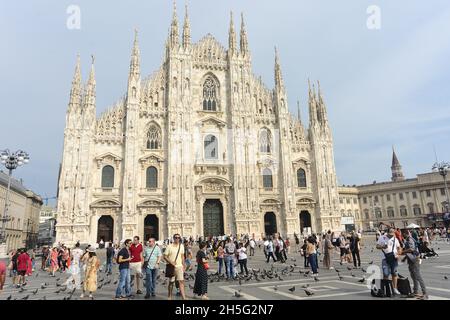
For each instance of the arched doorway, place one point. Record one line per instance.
(212, 218)
(270, 223)
(105, 229)
(151, 227)
(305, 220)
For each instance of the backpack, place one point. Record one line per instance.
(338, 242)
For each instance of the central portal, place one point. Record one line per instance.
(212, 218)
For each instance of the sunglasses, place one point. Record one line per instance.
(177, 237)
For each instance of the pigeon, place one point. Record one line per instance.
(58, 279)
(363, 270)
(308, 293)
(115, 282)
(307, 272)
(58, 284)
(371, 262)
(349, 268)
(9, 297)
(280, 278)
(337, 270)
(63, 289)
(237, 294)
(340, 278)
(362, 280)
(26, 297)
(292, 289)
(37, 274)
(445, 277)
(57, 291)
(305, 286)
(21, 289)
(316, 279)
(353, 275)
(275, 288)
(293, 259)
(240, 282)
(35, 291)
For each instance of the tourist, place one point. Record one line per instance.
(136, 251)
(390, 249)
(152, 258)
(54, 261)
(123, 259)
(411, 253)
(230, 251)
(282, 250)
(303, 253)
(90, 278)
(201, 276)
(311, 254)
(355, 248)
(242, 259)
(269, 250)
(2, 274)
(109, 258)
(174, 256)
(15, 272)
(287, 245)
(252, 245)
(33, 259)
(74, 281)
(221, 257)
(187, 255)
(22, 266)
(340, 242)
(326, 249)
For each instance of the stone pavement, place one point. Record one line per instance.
(328, 286)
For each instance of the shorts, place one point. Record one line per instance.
(343, 252)
(389, 269)
(22, 272)
(179, 274)
(136, 268)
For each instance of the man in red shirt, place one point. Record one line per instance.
(136, 262)
(22, 265)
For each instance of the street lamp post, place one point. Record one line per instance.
(443, 168)
(11, 161)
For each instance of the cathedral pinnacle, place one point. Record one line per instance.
(312, 105)
(135, 57)
(90, 88)
(75, 91)
(231, 36)
(278, 75)
(174, 27)
(186, 29)
(244, 41)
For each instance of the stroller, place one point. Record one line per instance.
(426, 252)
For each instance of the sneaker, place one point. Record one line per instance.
(147, 296)
(82, 296)
(396, 291)
(139, 292)
(153, 295)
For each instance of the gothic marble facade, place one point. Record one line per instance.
(202, 146)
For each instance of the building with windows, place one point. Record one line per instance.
(201, 147)
(399, 202)
(23, 213)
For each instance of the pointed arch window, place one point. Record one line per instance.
(211, 147)
(154, 137)
(301, 178)
(267, 178)
(210, 91)
(108, 177)
(265, 141)
(151, 181)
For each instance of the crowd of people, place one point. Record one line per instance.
(139, 262)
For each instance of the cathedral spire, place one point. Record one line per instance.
(321, 106)
(174, 38)
(135, 64)
(186, 29)
(278, 75)
(299, 116)
(231, 36)
(90, 88)
(75, 91)
(396, 168)
(312, 105)
(244, 41)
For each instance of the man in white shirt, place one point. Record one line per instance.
(390, 251)
(252, 247)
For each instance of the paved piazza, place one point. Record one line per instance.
(328, 287)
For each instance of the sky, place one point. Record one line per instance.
(383, 87)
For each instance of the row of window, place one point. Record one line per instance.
(151, 176)
(348, 200)
(401, 196)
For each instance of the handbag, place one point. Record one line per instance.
(170, 268)
(145, 265)
(206, 265)
(390, 257)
